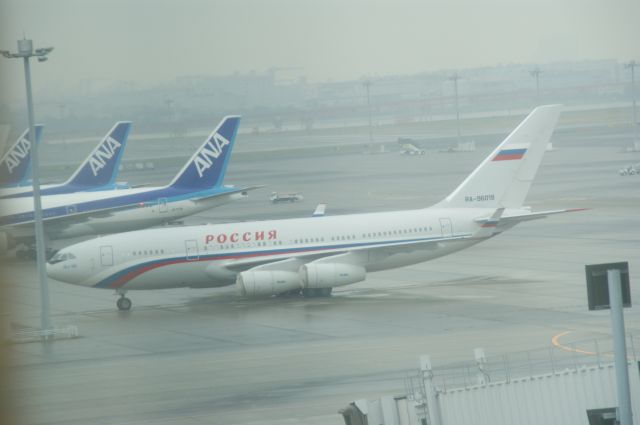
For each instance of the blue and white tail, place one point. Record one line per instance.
(100, 168)
(503, 179)
(15, 165)
(206, 168)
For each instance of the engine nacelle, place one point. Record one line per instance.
(328, 275)
(262, 283)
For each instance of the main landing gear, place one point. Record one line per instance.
(307, 293)
(123, 303)
(316, 292)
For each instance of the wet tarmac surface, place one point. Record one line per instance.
(207, 356)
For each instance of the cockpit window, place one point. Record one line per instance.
(60, 257)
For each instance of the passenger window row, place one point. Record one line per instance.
(398, 232)
(233, 246)
(148, 252)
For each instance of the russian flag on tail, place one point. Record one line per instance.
(509, 154)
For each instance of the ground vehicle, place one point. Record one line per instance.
(277, 198)
(409, 147)
(631, 170)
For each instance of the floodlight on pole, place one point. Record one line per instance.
(367, 85)
(26, 51)
(536, 74)
(632, 65)
(455, 77)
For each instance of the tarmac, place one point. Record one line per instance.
(208, 356)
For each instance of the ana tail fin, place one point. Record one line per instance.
(503, 179)
(15, 165)
(101, 166)
(206, 168)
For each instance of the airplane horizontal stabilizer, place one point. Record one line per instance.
(510, 220)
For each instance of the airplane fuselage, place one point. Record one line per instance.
(142, 207)
(209, 255)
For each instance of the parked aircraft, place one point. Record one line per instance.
(315, 254)
(15, 165)
(97, 172)
(197, 187)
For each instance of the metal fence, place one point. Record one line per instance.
(504, 368)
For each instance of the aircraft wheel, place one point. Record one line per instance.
(124, 304)
(325, 292)
(288, 294)
(316, 292)
(309, 292)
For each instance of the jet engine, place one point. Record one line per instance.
(328, 275)
(267, 282)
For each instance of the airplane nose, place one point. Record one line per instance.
(53, 271)
(60, 273)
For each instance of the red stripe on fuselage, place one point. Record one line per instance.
(122, 280)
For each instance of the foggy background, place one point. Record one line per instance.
(298, 64)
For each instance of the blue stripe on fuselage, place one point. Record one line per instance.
(64, 189)
(171, 194)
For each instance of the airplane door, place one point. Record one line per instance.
(446, 227)
(71, 209)
(106, 255)
(162, 205)
(192, 249)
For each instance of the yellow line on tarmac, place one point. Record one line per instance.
(557, 344)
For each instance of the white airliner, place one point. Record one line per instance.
(197, 187)
(315, 254)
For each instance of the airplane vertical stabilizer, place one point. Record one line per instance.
(15, 165)
(503, 179)
(101, 166)
(206, 168)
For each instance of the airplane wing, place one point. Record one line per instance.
(490, 225)
(232, 191)
(366, 251)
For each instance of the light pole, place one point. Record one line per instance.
(367, 86)
(536, 73)
(25, 51)
(632, 65)
(455, 77)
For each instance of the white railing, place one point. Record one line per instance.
(504, 368)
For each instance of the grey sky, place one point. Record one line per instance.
(149, 41)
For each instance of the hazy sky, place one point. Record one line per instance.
(148, 41)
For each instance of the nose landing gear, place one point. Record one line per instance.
(123, 303)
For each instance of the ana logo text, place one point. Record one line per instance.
(17, 154)
(209, 152)
(105, 152)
